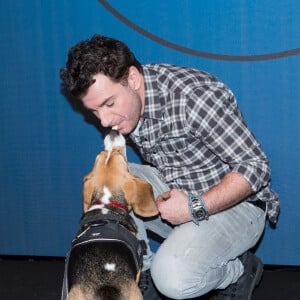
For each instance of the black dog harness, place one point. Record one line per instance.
(100, 229)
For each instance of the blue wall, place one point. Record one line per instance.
(47, 147)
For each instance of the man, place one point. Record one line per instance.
(209, 174)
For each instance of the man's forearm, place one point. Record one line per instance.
(231, 190)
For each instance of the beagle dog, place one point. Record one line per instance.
(105, 257)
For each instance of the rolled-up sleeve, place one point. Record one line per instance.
(213, 116)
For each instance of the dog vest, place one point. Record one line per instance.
(99, 230)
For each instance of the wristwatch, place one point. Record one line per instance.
(198, 209)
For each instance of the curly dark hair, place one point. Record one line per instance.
(99, 54)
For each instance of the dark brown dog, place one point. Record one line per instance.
(105, 258)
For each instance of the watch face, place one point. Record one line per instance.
(198, 211)
(200, 214)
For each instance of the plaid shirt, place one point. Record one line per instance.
(193, 132)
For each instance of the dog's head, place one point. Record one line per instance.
(110, 178)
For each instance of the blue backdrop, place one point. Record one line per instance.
(47, 146)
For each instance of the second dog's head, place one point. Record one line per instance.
(110, 178)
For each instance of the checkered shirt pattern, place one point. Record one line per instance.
(194, 133)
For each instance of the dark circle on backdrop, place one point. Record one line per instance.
(194, 52)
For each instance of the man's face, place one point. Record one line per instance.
(115, 104)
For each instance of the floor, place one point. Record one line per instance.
(40, 278)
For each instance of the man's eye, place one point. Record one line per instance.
(109, 104)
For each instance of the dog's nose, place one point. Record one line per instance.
(114, 139)
(114, 133)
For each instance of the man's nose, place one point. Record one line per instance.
(104, 118)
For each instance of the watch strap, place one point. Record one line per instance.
(201, 205)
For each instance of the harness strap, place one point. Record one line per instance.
(94, 218)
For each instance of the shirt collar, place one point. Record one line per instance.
(136, 131)
(153, 103)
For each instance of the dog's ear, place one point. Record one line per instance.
(90, 181)
(88, 190)
(139, 195)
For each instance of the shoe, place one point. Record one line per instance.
(147, 287)
(243, 288)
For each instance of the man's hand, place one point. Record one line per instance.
(173, 207)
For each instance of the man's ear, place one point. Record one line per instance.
(134, 78)
(139, 195)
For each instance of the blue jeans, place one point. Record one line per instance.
(194, 260)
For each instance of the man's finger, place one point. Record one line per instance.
(164, 196)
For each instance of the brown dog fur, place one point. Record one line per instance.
(111, 170)
(114, 174)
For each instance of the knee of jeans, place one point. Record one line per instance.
(170, 285)
(173, 279)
